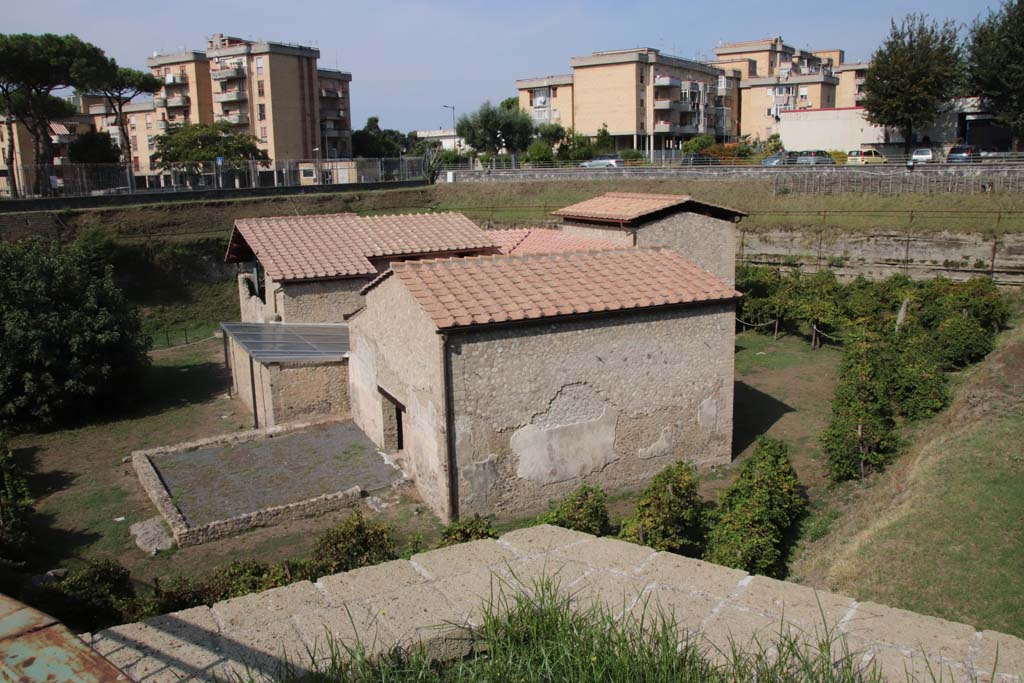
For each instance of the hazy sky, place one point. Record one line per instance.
(409, 58)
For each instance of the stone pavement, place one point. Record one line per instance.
(422, 601)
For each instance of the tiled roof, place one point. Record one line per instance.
(544, 241)
(629, 206)
(459, 292)
(342, 244)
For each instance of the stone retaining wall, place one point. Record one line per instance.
(423, 602)
(184, 534)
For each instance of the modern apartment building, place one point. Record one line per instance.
(335, 114)
(851, 83)
(186, 96)
(647, 100)
(777, 77)
(145, 123)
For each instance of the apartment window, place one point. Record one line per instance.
(261, 112)
(259, 66)
(263, 133)
(259, 88)
(768, 112)
(554, 92)
(803, 93)
(149, 141)
(167, 71)
(152, 164)
(149, 121)
(131, 121)
(134, 143)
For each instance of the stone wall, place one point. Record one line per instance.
(252, 308)
(957, 255)
(323, 301)
(610, 401)
(708, 242)
(395, 347)
(304, 390)
(428, 601)
(623, 236)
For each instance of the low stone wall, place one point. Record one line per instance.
(876, 255)
(889, 179)
(185, 534)
(428, 600)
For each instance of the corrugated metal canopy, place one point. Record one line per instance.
(282, 342)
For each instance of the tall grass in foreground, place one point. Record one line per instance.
(542, 635)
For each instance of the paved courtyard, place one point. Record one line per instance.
(224, 481)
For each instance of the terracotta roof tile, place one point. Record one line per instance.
(545, 241)
(342, 244)
(630, 206)
(458, 292)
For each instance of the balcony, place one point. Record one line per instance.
(227, 74)
(667, 82)
(666, 127)
(237, 119)
(160, 101)
(858, 96)
(673, 105)
(331, 132)
(182, 101)
(331, 93)
(161, 124)
(540, 115)
(231, 96)
(858, 80)
(331, 114)
(176, 79)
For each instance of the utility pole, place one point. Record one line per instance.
(455, 136)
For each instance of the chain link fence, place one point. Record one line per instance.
(83, 180)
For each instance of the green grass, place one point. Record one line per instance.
(540, 634)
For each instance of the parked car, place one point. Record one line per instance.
(603, 161)
(923, 156)
(699, 160)
(815, 157)
(780, 159)
(989, 154)
(962, 154)
(865, 156)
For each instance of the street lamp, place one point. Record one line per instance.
(455, 137)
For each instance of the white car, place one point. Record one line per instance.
(922, 156)
(603, 161)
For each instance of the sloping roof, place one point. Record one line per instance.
(462, 292)
(627, 207)
(342, 244)
(280, 342)
(545, 241)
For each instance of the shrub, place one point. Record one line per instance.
(99, 594)
(669, 514)
(757, 512)
(839, 156)
(353, 543)
(632, 155)
(70, 341)
(915, 382)
(759, 285)
(15, 507)
(464, 530)
(585, 509)
(697, 144)
(962, 340)
(539, 152)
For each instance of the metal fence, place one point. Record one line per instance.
(81, 180)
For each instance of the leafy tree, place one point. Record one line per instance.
(491, 129)
(697, 144)
(913, 75)
(94, 148)
(670, 513)
(551, 133)
(70, 341)
(509, 104)
(995, 53)
(374, 142)
(813, 299)
(603, 141)
(188, 147)
(576, 147)
(585, 509)
(540, 151)
(34, 66)
(120, 85)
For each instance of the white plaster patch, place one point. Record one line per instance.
(548, 455)
(662, 446)
(707, 413)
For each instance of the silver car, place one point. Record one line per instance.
(922, 156)
(605, 161)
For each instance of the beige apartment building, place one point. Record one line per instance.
(850, 89)
(186, 96)
(776, 77)
(647, 100)
(335, 114)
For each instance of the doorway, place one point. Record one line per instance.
(393, 414)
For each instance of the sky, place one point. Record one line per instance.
(408, 59)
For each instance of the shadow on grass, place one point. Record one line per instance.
(172, 386)
(754, 412)
(40, 484)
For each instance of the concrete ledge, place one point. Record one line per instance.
(430, 601)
